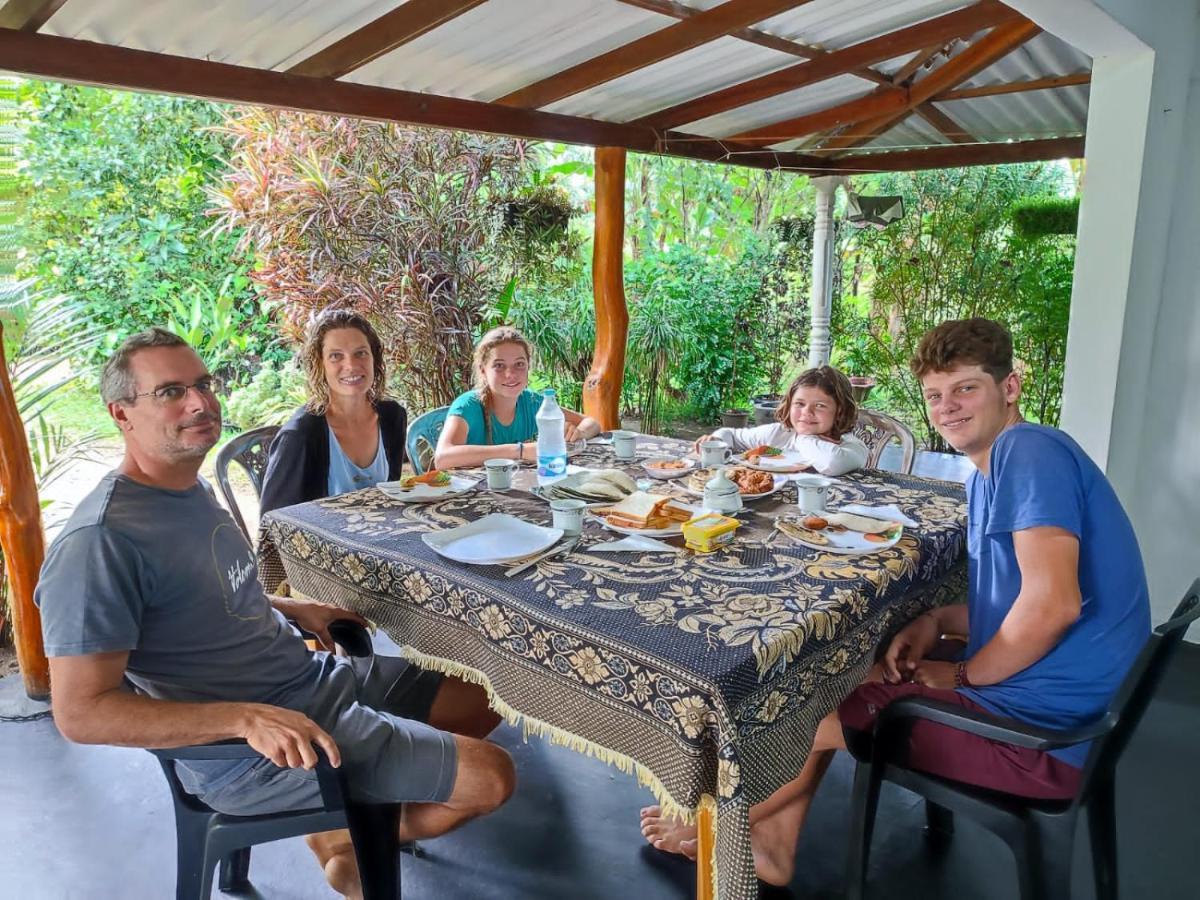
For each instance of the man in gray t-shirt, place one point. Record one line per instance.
(153, 584)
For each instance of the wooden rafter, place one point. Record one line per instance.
(995, 45)
(87, 62)
(879, 102)
(949, 129)
(753, 36)
(28, 15)
(1016, 87)
(391, 30)
(949, 156)
(671, 41)
(839, 62)
(905, 74)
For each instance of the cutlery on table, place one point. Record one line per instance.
(565, 547)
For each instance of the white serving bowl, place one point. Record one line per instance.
(665, 474)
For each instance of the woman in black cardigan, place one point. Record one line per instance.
(346, 436)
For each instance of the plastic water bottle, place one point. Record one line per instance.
(551, 440)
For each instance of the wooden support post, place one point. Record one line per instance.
(21, 538)
(602, 390)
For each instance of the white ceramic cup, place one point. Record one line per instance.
(811, 492)
(499, 473)
(624, 444)
(714, 453)
(568, 515)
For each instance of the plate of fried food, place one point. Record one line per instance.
(600, 487)
(766, 458)
(839, 532)
(666, 467)
(435, 484)
(649, 514)
(753, 484)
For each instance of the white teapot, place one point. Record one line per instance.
(721, 494)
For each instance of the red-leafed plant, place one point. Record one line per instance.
(398, 223)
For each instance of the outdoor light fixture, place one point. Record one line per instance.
(877, 212)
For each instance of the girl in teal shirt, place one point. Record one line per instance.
(498, 418)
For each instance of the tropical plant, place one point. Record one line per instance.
(269, 398)
(392, 221)
(116, 210)
(953, 255)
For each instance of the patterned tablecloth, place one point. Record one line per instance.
(705, 674)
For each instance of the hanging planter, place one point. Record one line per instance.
(540, 216)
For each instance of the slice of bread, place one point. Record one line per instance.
(638, 507)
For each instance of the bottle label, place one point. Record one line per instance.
(552, 466)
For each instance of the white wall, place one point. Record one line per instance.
(1132, 394)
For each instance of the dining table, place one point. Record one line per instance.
(704, 674)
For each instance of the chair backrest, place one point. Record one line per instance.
(249, 450)
(423, 434)
(876, 429)
(1137, 690)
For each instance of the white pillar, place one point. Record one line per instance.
(822, 269)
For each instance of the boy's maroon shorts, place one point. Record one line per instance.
(950, 753)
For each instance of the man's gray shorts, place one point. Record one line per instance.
(375, 709)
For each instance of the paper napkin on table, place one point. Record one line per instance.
(890, 513)
(635, 543)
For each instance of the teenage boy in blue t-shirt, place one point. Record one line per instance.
(1056, 612)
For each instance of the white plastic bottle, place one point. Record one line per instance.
(551, 440)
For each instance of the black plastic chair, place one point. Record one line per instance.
(205, 837)
(249, 450)
(1041, 833)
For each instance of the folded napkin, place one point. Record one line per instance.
(890, 512)
(634, 543)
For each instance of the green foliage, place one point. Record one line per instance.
(696, 330)
(1045, 216)
(953, 256)
(270, 397)
(118, 218)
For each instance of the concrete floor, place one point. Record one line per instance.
(96, 822)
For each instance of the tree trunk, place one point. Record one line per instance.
(21, 538)
(602, 390)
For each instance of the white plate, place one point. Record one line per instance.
(425, 493)
(493, 540)
(780, 481)
(851, 543)
(666, 474)
(673, 529)
(788, 461)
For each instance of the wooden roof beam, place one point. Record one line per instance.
(949, 128)
(753, 36)
(104, 65)
(1016, 87)
(985, 154)
(645, 51)
(995, 45)
(393, 29)
(28, 15)
(915, 38)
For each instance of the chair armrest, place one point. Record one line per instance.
(985, 725)
(231, 749)
(329, 779)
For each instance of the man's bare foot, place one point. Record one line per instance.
(773, 843)
(335, 854)
(670, 835)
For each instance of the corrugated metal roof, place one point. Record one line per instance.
(503, 45)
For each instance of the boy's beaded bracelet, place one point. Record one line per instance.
(960, 675)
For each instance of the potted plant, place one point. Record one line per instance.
(860, 386)
(764, 407)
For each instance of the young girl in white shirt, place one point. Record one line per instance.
(814, 421)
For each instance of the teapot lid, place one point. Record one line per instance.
(720, 483)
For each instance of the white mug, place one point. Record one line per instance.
(499, 473)
(811, 491)
(714, 453)
(568, 515)
(624, 444)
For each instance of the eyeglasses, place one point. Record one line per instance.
(170, 394)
